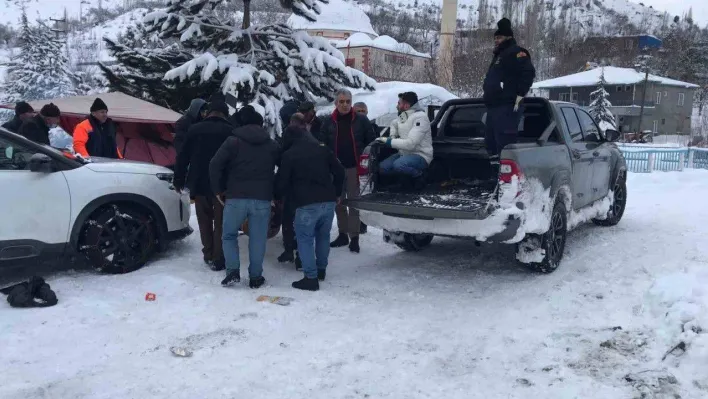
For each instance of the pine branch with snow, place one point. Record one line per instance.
(267, 65)
(600, 105)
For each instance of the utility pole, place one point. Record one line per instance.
(445, 60)
(643, 63)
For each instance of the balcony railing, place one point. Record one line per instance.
(618, 103)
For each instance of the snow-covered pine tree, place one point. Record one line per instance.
(266, 64)
(40, 70)
(600, 105)
(142, 64)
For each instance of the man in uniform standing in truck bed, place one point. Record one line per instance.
(508, 80)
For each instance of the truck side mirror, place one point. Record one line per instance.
(612, 135)
(41, 163)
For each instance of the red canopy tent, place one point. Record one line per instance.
(144, 130)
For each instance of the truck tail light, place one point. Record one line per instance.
(508, 169)
(363, 168)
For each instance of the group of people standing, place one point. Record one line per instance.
(95, 136)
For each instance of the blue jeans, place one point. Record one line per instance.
(412, 165)
(312, 226)
(236, 212)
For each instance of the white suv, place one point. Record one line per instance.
(115, 213)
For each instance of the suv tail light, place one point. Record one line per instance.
(508, 169)
(363, 168)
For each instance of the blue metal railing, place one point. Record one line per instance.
(648, 159)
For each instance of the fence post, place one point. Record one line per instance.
(650, 162)
(690, 158)
(682, 159)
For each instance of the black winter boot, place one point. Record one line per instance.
(307, 284)
(218, 265)
(321, 274)
(286, 256)
(232, 278)
(363, 229)
(354, 245)
(341, 241)
(256, 282)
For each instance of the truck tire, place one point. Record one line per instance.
(414, 242)
(614, 215)
(118, 240)
(552, 242)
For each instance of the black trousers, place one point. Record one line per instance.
(289, 226)
(502, 127)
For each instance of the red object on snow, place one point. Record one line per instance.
(144, 131)
(150, 296)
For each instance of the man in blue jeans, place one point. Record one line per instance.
(409, 134)
(311, 176)
(243, 171)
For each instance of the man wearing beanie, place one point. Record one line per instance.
(37, 128)
(243, 172)
(23, 112)
(96, 135)
(508, 80)
(202, 141)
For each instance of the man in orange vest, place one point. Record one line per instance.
(96, 135)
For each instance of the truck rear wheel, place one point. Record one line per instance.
(543, 253)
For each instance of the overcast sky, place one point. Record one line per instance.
(680, 7)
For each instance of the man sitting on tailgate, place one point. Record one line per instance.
(409, 134)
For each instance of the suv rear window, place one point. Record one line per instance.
(470, 122)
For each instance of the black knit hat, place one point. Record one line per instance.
(23, 108)
(249, 116)
(50, 110)
(219, 106)
(409, 97)
(98, 105)
(504, 28)
(306, 107)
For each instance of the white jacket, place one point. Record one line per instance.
(410, 134)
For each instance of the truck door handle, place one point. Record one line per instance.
(596, 153)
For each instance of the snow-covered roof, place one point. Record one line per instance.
(339, 15)
(613, 76)
(383, 101)
(121, 107)
(381, 42)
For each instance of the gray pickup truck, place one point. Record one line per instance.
(563, 171)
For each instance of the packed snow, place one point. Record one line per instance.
(626, 314)
(382, 42)
(613, 76)
(337, 15)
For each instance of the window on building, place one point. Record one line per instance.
(628, 44)
(663, 121)
(658, 98)
(681, 99)
(398, 59)
(576, 133)
(619, 88)
(319, 34)
(350, 62)
(628, 88)
(564, 97)
(574, 97)
(655, 127)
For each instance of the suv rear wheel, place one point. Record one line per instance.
(544, 252)
(118, 239)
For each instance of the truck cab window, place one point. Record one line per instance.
(590, 129)
(572, 124)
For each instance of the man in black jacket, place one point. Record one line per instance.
(195, 113)
(508, 80)
(347, 133)
(312, 177)
(313, 124)
(201, 143)
(23, 111)
(243, 171)
(37, 128)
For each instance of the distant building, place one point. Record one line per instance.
(668, 103)
(615, 50)
(380, 57)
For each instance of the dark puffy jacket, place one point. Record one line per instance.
(510, 74)
(244, 166)
(309, 173)
(35, 129)
(287, 111)
(203, 141)
(95, 139)
(13, 124)
(189, 118)
(361, 131)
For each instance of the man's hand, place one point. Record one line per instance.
(518, 101)
(384, 140)
(179, 189)
(221, 198)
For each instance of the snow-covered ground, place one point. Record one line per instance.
(453, 321)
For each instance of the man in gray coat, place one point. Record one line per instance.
(195, 113)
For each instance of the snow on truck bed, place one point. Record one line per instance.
(452, 321)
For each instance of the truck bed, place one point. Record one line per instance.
(455, 195)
